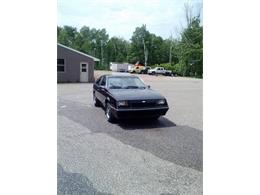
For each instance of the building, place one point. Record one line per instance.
(120, 67)
(74, 66)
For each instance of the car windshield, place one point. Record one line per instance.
(125, 83)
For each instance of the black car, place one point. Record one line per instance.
(126, 96)
(145, 70)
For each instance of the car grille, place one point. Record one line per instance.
(142, 104)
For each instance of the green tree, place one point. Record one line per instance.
(140, 44)
(158, 50)
(67, 36)
(184, 55)
(192, 48)
(117, 49)
(58, 31)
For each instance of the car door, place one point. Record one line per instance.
(103, 90)
(96, 87)
(162, 71)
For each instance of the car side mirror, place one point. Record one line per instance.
(102, 87)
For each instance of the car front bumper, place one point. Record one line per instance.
(139, 112)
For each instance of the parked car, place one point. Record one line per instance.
(140, 69)
(160, 70)
(145, 69)
(136, 69)
(126, 96)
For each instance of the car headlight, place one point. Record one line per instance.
(161, 102)
(122, 103)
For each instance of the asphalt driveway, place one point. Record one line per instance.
(148, 157)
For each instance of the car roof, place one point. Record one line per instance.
(119, 75)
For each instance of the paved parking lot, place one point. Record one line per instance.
(151, 157)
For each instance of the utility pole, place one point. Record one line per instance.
(170, 54)
(115, 52)
(145, 54)
(101, 50)
(146, 57)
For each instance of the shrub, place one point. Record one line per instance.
(101, 67)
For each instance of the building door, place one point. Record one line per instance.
(83, 72)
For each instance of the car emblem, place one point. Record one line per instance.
(143, 101)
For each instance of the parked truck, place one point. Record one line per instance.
(160, 70)
(140, 69)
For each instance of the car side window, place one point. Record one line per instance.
(103, 81)
(98, 80)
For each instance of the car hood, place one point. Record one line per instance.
(135, 94)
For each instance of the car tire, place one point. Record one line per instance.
(108, 112)
(96, 102)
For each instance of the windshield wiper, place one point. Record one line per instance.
(132, 87)
(115, 87)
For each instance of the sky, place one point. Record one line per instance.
(121, 17)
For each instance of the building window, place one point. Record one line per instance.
(60, 68)
(83, 67)
(60, 65)
(60, 61)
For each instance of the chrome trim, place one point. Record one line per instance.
(136, 109)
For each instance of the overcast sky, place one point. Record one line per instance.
(121, 17)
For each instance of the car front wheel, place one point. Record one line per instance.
(109, 114)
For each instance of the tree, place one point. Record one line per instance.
(140, 43)
(58, 31)
(192, 47)
(117, 49)
(157, 50)
(188, 9)
(67, 36)
(184, 54)
(187, 51)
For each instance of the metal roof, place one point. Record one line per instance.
(95, 59)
